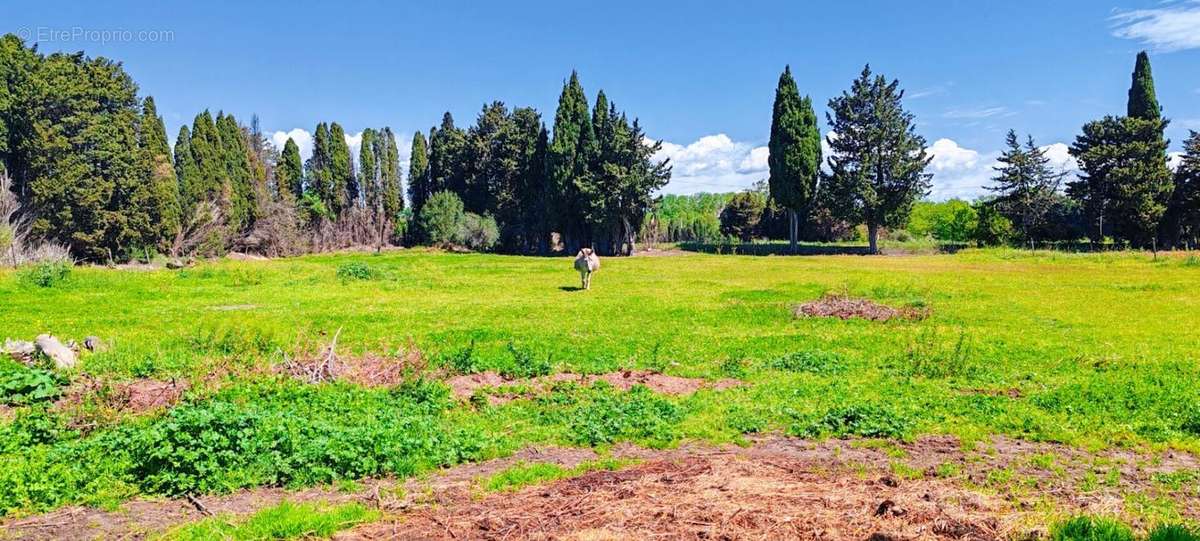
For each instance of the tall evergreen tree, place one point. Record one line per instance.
(160, 192)
(568, 161)
(448, 157)
(1143, 103)
(343, 192)
(795, 152)
(1184, 210)
(1026, 185)
(289, 173)
(186, 173)
(391, 185)
(211, 173)
(240, 203)
(320, 177)
(878, 161)
(418, 174)
(368, 169)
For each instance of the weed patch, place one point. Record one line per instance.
(600, 415)
(868, 421)
(46, 274)
(284, 521)
(356, 271)
(811, 361)
(22, 385)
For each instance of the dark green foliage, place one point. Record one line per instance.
(812, 361)
(32, 426)
(1173, 532)
(795, 151)
(865, 420)
(211, 174)
(22, 385)
(45, 274)
(741, 216)
(1182, 220)
(387, 155)
(418, 174)
(1026, 185)
(479, 233)
(878, 160)
(600, 415)
(447, 158)
(356, 270)
(1091, 529)
(1125, 184)
(1143, 103)
(289, 172)
(527, 364)
(568, 158)
(442, 218)
(159, 193)
(343, 189)
(991, 227)
(241, 206)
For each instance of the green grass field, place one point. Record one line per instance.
(1089, 350)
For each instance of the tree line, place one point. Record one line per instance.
(91, 168)
(1125, 193)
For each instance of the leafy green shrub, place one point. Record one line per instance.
(284, 521)
(463, 361)
(356, 270)
(442, 218)
(1091, 529)
(733, 367)
(479, 233)
(45, 273)
(868, 421)
(812, 361)
(1173, 532)
(22, 385)
(526, 365)
(599, 414)
(32, 426)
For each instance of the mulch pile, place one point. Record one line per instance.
(719, 495)
(843, 307)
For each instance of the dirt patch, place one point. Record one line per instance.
(776, 488)
(137, 396)
(464, 387)
(844, 307)
(366, 370)
(724, 495)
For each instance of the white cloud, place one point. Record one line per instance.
(1174, 159)
(302, 138)
(355, 143)
(1168, 28)
(713, 163)
(958, 172)
(1060, 157)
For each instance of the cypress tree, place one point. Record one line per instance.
(878, 161)
(185, 170)
(567, 160)
(391, 184)
(368, 172)
(240, 203)
(319, 176)
(343, 193)
(211, 173)
(448, 157)
(795, 152)
(160, 194)
(418, 174)
(1143, 103)
(289, 173)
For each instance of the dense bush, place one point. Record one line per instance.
(45, 274)
(479, 233)
(442, 218)
(950, 221)
(741, 216)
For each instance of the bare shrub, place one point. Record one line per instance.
(203, 233)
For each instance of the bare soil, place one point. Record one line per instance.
(843, 307)
(774, 488)
(465, 386)
(136, 396)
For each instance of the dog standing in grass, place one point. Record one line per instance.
(586, 262)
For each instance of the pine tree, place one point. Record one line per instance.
(160, 192)
(418, 174)
(289, 173)
(1143, 103)
(878, 161)
(1026, 185)
(795, 152)
(1184, 210)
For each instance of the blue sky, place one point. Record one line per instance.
(700, 75)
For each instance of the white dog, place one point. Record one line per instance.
(586, 262)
